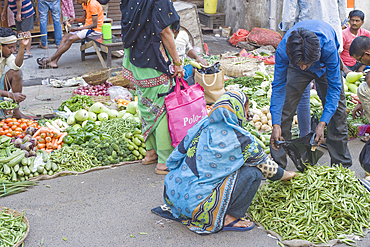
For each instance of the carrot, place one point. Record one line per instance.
(38, 138)
(49, 150)
(49, 145)
(59, 146)
(49, 134)
(61, 137)
(56, 135)
(43, 135)
(54, 143)
(40, 145)
(38, 132)
(48, 139)
(41, 140)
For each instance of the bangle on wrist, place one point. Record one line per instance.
(177, 64)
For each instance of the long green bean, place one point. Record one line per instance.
(73, 158)
(317, 205)
(12, 228)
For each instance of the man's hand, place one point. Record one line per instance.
(202, 61)
(26, 41)
(3, 16)
(358, 111)
(19, 17)
(276, 136)
(320, 133)
(74, 29)
(71, 20)
(287, 175)
(18, 97)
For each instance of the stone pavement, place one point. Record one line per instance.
(112, 207)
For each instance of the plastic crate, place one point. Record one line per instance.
(212, 21)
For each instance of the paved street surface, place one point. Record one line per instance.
(112, 207)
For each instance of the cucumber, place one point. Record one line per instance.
(40, 169)
(50, 173)
(142, 151)
(137, 141)
(16, 160)
(16, 168)
(45, 172)
(6, 169)
(267, 150)
(141, 157)
(143, 145)
(36, 174)
(136, 153)
(20, 172)
(263, 146)
(26, 170)
(54, 167)
(22, 179)
(30, 176)
(25, 177)
(48, 165)
(45, 156)
(255, 133)
(128, 135)
(12, 156)
(25, 161)
(14, 176)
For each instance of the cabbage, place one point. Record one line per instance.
(132, 108)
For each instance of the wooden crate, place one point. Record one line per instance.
(212, 21)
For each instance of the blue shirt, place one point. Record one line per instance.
(328, 63)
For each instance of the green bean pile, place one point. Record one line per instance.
(117, 126)
(73, 158)
(12, 229)
(318, 205)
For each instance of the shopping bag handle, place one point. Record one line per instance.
(178, 85)
(214, 81)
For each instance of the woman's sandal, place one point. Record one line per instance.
(364, 138)
(40, 61)
(144, 162)
(161, 172)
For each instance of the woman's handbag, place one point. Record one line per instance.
(184, 109)
(213, 85)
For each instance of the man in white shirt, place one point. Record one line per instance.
(11, 79)
(184, 48)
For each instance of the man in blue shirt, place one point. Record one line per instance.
(309, 50)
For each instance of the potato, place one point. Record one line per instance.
(257, 125)
(256, 118)
(259, 113)
(269, 117)
(264, 120)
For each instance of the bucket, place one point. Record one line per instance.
(210, 6)
(106, 29)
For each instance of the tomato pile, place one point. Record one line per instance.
(13, 127)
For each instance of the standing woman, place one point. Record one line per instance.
(149, 49)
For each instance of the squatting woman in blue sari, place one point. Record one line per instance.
(216, 170)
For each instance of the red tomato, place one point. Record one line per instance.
(24, 126)
(19, 129)
(14, 127)
(8, 120)
(5, 127)
(9, 134)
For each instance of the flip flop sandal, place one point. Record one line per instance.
(40, 61)
(364, 138)
(144, 162)
(161, 172)
(230, 227)
(47, 66)
(27, 56)
(42, 47)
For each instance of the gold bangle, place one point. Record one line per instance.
(177, 64)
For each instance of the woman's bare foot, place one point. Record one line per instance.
(241, 223)
(151, 155)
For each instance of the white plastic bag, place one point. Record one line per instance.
(118, 92)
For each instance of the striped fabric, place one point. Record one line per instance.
(27, 8)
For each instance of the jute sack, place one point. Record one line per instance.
(213, 85)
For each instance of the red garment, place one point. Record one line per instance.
(348, 37)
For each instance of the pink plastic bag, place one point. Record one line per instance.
(184, 109)
(238, 36)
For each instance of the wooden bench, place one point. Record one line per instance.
(106, 46)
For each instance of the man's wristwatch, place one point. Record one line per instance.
(177, 64)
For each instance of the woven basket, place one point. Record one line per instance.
(119, 80)
(97, 77)
(101, 99)
(16, 214)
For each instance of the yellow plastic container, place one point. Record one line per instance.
(210, 6)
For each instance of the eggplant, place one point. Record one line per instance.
(26, 153)
(18, 142)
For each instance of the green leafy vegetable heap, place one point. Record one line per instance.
(320, 204)
(76, 103)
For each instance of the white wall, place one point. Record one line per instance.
(363, 5)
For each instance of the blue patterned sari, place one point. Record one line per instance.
(204, 166)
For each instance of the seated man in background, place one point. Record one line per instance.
(12, 79)
(93, 19)
(360, 51)
(356, 20)
(184, 48)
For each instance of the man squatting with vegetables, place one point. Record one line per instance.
(12, 79)
(309, 50)
(360, 50)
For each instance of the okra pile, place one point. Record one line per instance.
(318, 205)
(13, 229)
